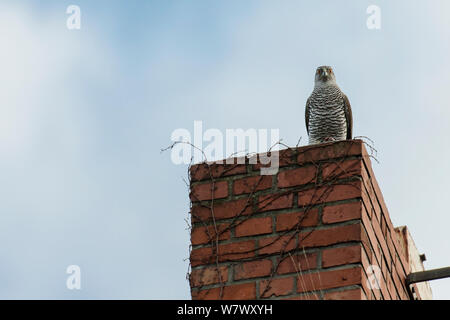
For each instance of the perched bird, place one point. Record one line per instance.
(328, 114)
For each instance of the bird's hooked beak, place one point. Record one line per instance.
(325, 75)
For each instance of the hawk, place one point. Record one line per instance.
(328, 114)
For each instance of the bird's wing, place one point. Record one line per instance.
(307, 115)
(348, 117)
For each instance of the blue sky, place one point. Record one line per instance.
(84, 114)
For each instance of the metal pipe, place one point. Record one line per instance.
(428, 275)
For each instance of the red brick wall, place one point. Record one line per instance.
(311, 231)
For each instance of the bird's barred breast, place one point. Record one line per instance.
(327, 115)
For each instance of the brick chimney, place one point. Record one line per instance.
(317, 229)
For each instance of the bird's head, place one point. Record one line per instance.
(325, 75)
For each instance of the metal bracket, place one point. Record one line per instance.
(428, 275)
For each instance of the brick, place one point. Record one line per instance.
(384, 268)
(376, 187)
(222, 210)
(254, 226)
(252, 269)
(232, 209)
(311, 296)
(391, 288)
(330, 150)
(200, 192)
(376, 197)
(398, 268)
(326, 237)
(294, 220)
(341, 169)
(285, 157)
(275, 201)
(329, 279)
(206, 234)
(245, 291)
(350, 294)
(378, 239)
(227, 252)
(297, 263)
(366, 258)
(370, 196)
(349, 190)
(240, 292)
(384, 289)
(209, 275)
(376, 283)
(368, 204)
(382, 242)
(236, 250)
(384, 226)
(276, 244)
(276, 287)
(399, 285)
(370, 295)
(390, 244)
(404, 264)
(372, 239)
(252, 184)
(342, 255)
(297, 177)
(365, 242)
(202, 172)
(207, 294)
(342, 212)
(201, 256)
